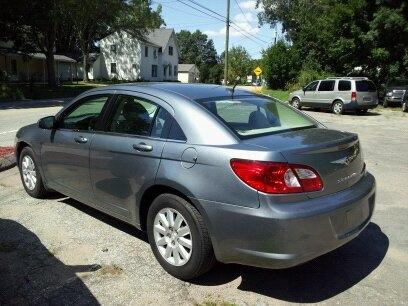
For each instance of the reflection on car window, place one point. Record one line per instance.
(85, 115)
(133, 115)
(253, 116)
(312, 86)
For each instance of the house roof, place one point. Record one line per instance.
(185, 67)
(60, 58)
(159, 37)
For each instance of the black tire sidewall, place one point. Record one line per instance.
(191, 268)
(38, 190)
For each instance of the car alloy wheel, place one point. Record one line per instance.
(337, 107)
(296, 103)
(29, 173)
(172, 236)
(405, 106)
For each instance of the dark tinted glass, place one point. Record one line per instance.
(326, 85)
(312, 86)
(133, 115)
(365, 86)
(161, 124)
(344, 85)
(176, 132)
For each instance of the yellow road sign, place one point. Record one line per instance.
(258, 71)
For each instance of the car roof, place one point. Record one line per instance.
(194, 91)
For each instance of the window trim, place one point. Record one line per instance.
(116, 68)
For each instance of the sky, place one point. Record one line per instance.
(244, 31)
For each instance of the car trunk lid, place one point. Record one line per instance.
(335, 155)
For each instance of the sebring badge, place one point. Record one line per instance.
(341, 180)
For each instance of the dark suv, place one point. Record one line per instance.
(395, 91)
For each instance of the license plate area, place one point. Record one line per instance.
(345, 223)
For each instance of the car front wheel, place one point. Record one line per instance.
(296, 103)
(179, 237)
(30, 174)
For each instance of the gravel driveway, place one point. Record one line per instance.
(59, 251)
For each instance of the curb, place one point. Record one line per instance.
(7, 162)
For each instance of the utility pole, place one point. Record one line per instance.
(227, 25)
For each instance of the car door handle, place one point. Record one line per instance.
(142, 147)
(80, 139)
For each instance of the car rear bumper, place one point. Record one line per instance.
(356, 105)
(287, 234)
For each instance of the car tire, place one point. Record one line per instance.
(338, 107)
(385, 104)
(405, 106)
(190, 239)
(30, 174)
(296, 103)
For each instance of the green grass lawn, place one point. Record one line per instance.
(282, 95)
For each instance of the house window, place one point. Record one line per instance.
(134, 66)
(155, 53)
(14, 67)
(146, 51)
(170, 50)
(113, 48)
(175, 70)
(113, 68)
(154, 71)
(164, 70)
(160, 50)
(170, 71)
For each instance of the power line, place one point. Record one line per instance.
(201, 11)
(206, 8)
(243, 14)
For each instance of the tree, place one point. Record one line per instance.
(338, 36)
(279, 65)
(32, 26)
(134, 16)
(239, 64)
(196, 48)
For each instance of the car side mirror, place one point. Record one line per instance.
(47, 123)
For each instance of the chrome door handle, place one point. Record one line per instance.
(142, 147)
(81, 139)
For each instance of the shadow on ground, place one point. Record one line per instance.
(315, 281)
(31, 275)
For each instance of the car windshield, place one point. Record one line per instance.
(252, 116)
(365, 86)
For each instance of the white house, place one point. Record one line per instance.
(124, 57)
(188, 73)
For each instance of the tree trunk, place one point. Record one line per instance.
(49, 55)
(86, 66)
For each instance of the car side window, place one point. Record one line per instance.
(133, 115)
(85, 115)
(327, 85)
(312, 86)
(166, 127)
(344, 86)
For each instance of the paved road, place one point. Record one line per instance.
(14, 115)
(60, 251)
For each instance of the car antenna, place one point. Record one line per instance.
(233, 87)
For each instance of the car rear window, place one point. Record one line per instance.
(326, 86)
(365, 86)
(344, 86)
(254, 116)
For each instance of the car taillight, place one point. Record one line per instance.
(353, 96)
(275, 177)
